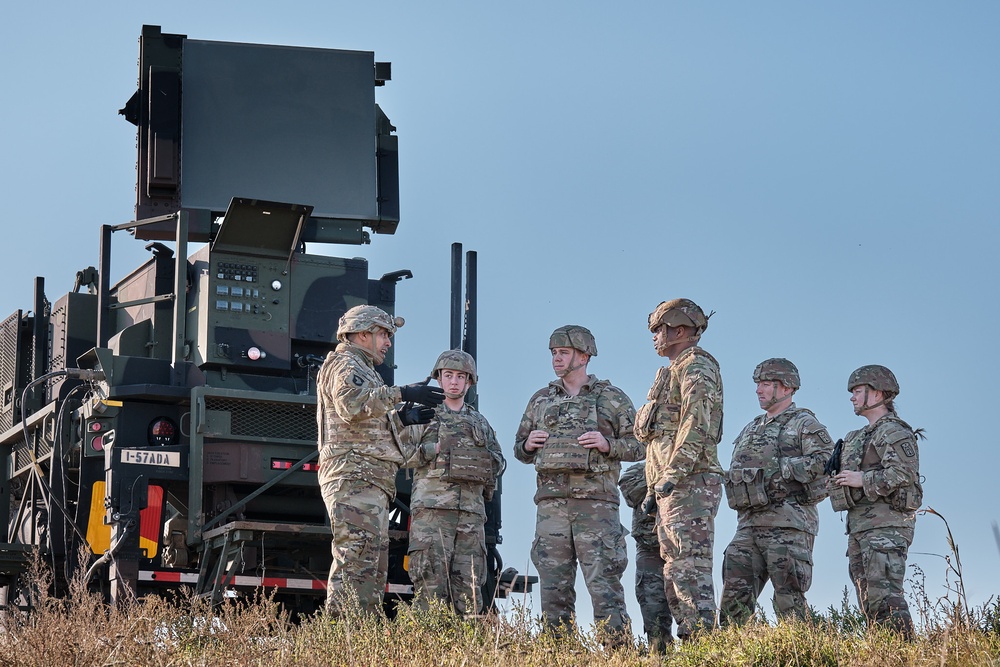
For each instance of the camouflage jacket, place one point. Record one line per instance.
(792, 448)
(886, 453)
(360, 435)
(681, 423)
(552, 410)
(438, 441)
(633, 486)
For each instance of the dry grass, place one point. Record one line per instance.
(81, 630)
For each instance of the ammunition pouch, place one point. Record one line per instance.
(907, 499)
(562, 454)
(746, 488)
(470, 463)
(812, 492)
(840, 497)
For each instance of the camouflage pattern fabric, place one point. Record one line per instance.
(359, 519)
(681, 425)
(886, 452)
(568, 530)
(447, 550)
(775, 541)
(362, 444)
(877, 562)
(792, 448)
(447, 558)
(578, 517)
(881, 523)
(686, 547)
(650, 587)
(759, 554)
(553, 410)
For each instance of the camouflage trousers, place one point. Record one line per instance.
(568, 530)
(447, 557)
(686, 532)
(759, 554)
(359, 519)
(651, 593)
(877, 560)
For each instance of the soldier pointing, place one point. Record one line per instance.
(362, 445)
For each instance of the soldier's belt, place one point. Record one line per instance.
(562, 454)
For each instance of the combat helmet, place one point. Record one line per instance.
(678, 313)
(366, 318)
(455, 360)
(576, 337)
(778, 369)
(877, 377)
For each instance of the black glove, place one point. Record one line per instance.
(665, 489)
(649, 504)
(417, 415)
(422, 393)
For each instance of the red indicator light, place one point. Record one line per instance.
(95, 426)
(98, 443)
(281, 464)
(162, 432)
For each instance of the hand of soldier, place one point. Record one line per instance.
(422, 393)
(595, 440)
(417, 415)
(535, 440)
(664, 489)
(852, 478)
(649, 504)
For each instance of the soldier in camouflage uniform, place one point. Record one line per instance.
(362, 445)
(650, 589)
(681, 425)
(456, 464)
(576, 431)
(774, 482)
(878, 483)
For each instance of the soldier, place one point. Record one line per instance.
(362, 445)
(456, 466)
(681, 425)
(576, 431)
(878, 483)
(650, 589)
(774, 482)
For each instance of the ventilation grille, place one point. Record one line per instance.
(261, 419)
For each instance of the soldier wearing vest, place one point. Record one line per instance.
(681, 425)
(650, 589)
(576, 431)
(879, 487)
(774, 482)
(362, 444)
(456, 467)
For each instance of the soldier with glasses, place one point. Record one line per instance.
(362, 444)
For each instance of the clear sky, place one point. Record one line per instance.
(825, 176)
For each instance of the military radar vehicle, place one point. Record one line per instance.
(165, 424)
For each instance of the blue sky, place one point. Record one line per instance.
(823, 175)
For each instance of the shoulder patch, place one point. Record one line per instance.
(358, 380)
